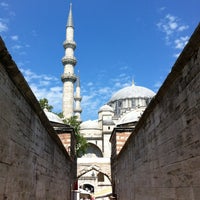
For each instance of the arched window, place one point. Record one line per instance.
(100, 177)
(89, 188)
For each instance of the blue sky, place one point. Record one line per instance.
(117, 41)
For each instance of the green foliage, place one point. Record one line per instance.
(81, 146)
(81, 142)
(62, 117)
(45, 104)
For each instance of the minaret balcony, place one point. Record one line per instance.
(76, 98)
(69, 60)
(69, 44)
(78, 110)
(68, 77)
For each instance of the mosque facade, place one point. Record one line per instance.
(123, 109)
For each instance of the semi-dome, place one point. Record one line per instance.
(132, 116)
(90, 124)
(106, 108)
(132, 92)
(53, 117)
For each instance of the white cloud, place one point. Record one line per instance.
(173, 29)
(90, 105)
(90, 84)
(14, 37)
(176, 55)
(95, 94)
(31, 76)
(124, 67)
(87, 98)
(3, 26)
(171, 26)
(104, 90)
(45, 86)
(171, 18)
(54, 96)
(3, 4)
(19, 47)
(162, 9)
(56, 89)
(157, 85)
(44, 83)
(181, 42)
(183, 27)
(16, 47)
(123, 75)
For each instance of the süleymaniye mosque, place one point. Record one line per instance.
(123, 109)
(142, 145)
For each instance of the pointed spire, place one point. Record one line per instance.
(70, 18)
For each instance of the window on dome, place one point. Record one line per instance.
(118, 107)
(133, 103)
(148, 101)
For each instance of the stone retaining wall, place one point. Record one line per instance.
(33, 162)
(161, 158)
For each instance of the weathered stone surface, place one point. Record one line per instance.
(161, 158)
(33, 162)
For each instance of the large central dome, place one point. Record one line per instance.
(132, 92)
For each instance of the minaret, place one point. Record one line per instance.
(69, 62)
(78, 98)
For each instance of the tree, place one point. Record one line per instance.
(45, 104)
(81, 142)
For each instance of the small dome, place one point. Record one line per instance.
(106, 108)
(53, 117)
(132, 116)
(132, 92)
(90, 124)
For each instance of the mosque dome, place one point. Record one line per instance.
(132, 92)
(106, 108)
(53, 117)
(90, 124)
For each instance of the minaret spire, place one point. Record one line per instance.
(69, 62)
(78, 98)
(70, 18)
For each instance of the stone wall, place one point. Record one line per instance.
(67, 137)
(118, 139)
(161, 158)
(99, 164)
(33, 162)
